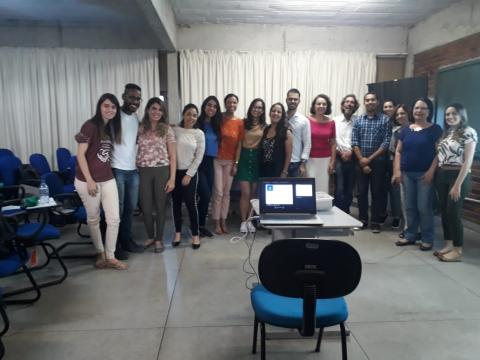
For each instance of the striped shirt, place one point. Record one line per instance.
(369, 134)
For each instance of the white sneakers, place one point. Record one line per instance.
(247, 227)
(243, 227)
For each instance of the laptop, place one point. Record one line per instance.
(288, 201)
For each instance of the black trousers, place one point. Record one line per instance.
(345, 172)
(187, 194)
(205, 185)
(375, 181)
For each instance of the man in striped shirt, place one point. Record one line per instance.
(371, 134)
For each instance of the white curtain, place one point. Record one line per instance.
(269, 75)
(47, 94)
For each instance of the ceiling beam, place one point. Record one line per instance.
(161, 18)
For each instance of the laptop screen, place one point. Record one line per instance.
(287, 195)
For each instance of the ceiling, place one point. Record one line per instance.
(307, 12)
(188, 12)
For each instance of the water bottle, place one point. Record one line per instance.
(43, 194)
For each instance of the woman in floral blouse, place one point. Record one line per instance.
(156, 162)
(455, 156)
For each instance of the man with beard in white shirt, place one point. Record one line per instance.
(300, 127)
(345, 162)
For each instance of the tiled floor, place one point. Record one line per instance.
(186, 304)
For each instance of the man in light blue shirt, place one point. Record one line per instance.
(300, 127)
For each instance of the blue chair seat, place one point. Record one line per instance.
(11, 264)
(48, 232)
(288, 312)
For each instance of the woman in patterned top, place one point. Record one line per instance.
(455, 153)
(94, 179)
(276, 144)
(156, 162)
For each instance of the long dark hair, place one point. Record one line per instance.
(185, 109)
(146, 124)
(281, 130)
(458, 133)
(249, 119)
(113, 128)
(215, 121)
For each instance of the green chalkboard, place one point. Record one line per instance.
(460, 84)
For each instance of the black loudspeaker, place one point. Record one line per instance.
(403, 91)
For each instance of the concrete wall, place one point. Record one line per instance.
(83, 37)
(389, 40)
(455, 22)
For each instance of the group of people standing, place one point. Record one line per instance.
(121, 159)
(405, 158)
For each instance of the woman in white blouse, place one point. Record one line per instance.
(190, 150)
(455, 156)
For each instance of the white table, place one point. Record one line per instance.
(335, 222)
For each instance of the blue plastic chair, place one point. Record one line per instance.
(11, 264)
(10, 170)
(303, 282)
(30, 234)
(63, 158)
(6, 152)
(40, 164)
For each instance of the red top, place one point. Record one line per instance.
(322, 134)
(98, 154)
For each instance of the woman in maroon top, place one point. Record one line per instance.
(321, 163)
(94, 178)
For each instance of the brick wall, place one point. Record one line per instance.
(427, 63)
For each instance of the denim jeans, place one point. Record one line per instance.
(419, 206)
(128, 183)
(393, 193)
(344, 181)
(205, 186)
(375, 181)
(294, 169)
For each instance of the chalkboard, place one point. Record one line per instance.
(460, 84)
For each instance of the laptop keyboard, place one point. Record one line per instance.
(288, 216)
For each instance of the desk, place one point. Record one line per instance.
(335, 222)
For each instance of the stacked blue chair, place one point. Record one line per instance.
(31, 234)
(10, 170)
(6, 152)
(63, 158)
(41, 166)
(303, 282)
(13, 258)
(71, 209)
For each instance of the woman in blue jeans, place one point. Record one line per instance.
(414, 165)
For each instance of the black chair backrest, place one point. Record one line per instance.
(287, 266)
